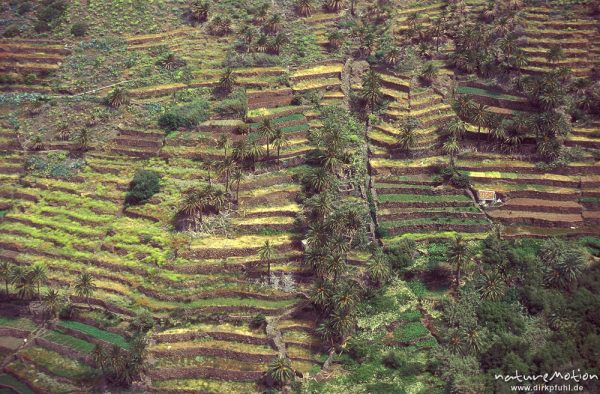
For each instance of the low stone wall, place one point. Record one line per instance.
(423, 204)
(63, 350)
(464, 228)
(204, 351)
(205, 373)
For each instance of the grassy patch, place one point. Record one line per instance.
(95, 332)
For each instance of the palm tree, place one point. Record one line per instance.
(236, 177)
(273, 24)
(52, 302)
(319, 180)
(266, 253)
(455, 128)
(5, 273)
(261, 13)
(392, 56)
(240, 151)
(210, 165)
(345, 296)
(492, 286)
(85, 286)
(304, 7)
(199, 11)
(321, 294)
(564, 263)
(277, 43)
(333, 5)
(371, 89)
(224, 142)
(82, 139)
(262, 44)
(451, 147)
(39, 275)
(379, 269)
(479, 116)
(280, 370)
(226, 168)
(267, 131)
(407, 138)
(320, 205)
(214, 197)
(338, 326)
(21, 278)
(279, 140)
(429, 72)
(118, 97)
(458, 255)
(248, 34)
(555, 54)
(255, 151)
(463, 106)
(227, 81)
(472, 339)
(197, 201)
(335, 262)
(334, 39)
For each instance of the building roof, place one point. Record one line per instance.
(486, 194)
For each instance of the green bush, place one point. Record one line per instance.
(144, 185)
(410, 331)
(24, 8)
(29, 79)
(236, 104)
(393, 359)
(49, 15)
(187, 116)
(259, 321)
(460, 180)
(12, 31)
(79, 29)
(401, 255)
(53, 165)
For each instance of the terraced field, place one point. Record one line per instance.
(575, 32)
(29, 62)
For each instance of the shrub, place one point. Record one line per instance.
(118, 97)
(53, 11)
(79, 29)
(24, 8)
(29, 79)
(188, 116)
(53, 165)
(460, 180)
(401, 256)
(144, 185)
(259, 321)
(12, 31)
(236, 104)
(8, 77)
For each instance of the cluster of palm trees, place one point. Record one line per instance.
(25, 280)
(28, 281)
(119, 366)
(334, 227)
(238, 155)
(306, 7)
(200, 201)
(490, 47)
(262, 32)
